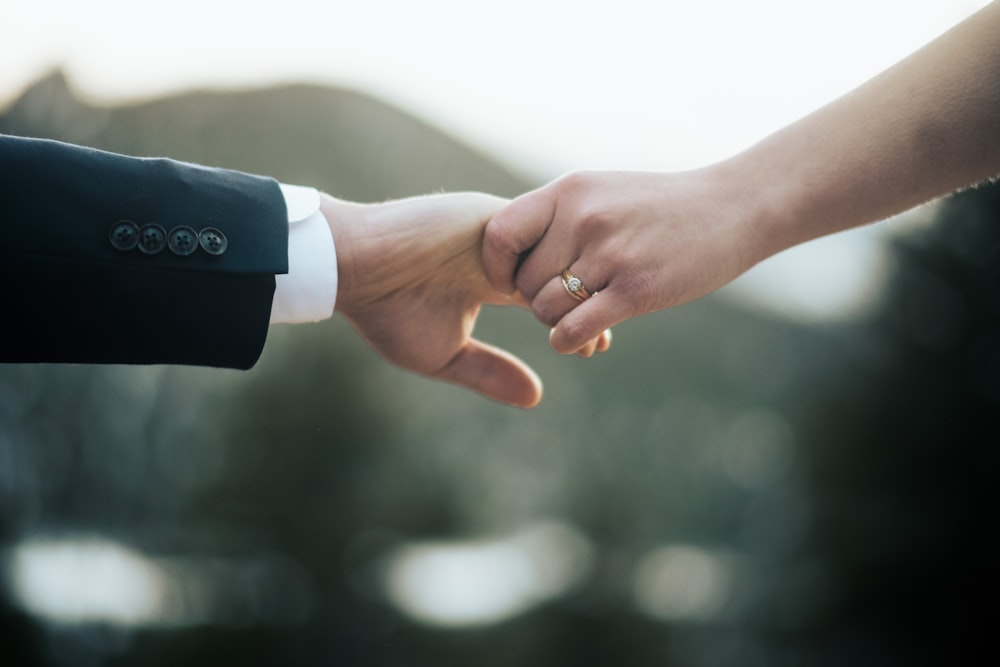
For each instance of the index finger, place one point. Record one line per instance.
(514, 230)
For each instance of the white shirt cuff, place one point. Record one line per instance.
(308, 292)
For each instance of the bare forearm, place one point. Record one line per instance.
(645, 241)
(924, 128)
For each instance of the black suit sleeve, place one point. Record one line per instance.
(113, 259)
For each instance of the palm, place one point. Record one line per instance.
(417, 302)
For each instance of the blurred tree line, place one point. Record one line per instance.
(844, 468)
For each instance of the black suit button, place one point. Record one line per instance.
(182, 241)
(124, 235)
(213, 241)
(152, 239)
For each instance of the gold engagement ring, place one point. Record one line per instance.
(574, 286)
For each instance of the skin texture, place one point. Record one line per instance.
(646, 241)
(411, 283)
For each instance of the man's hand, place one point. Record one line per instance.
(411, 283)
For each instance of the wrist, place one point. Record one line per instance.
(345, 221)
(755, 206)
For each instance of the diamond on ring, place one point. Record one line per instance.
(574, 286)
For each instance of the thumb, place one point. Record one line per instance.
(495, 373)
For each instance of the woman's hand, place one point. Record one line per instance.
(638, 241)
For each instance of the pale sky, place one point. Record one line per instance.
(546, 85)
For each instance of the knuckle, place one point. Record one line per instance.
(575, 181)
(576, 331)
(592, 215)
(638, 290)
(545, 312)
(499, 235)
(584, 179)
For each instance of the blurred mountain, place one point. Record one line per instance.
(340, 140)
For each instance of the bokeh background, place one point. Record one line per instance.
(794, 471)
